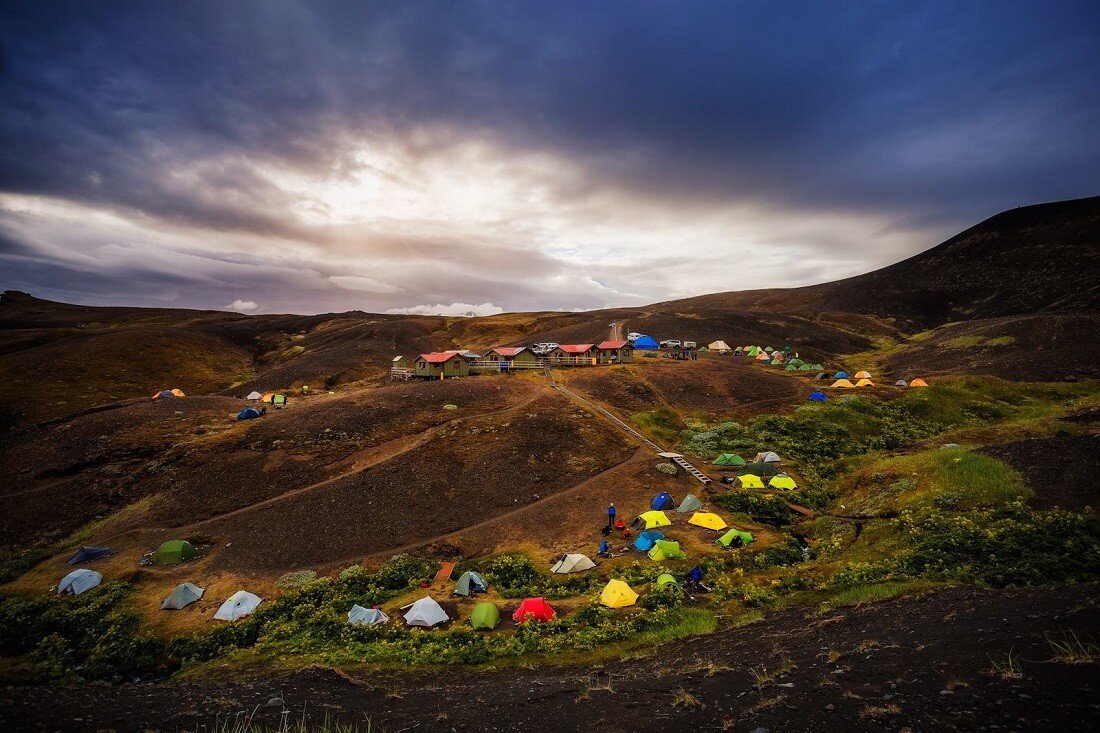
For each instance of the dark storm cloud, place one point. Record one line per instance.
(929, 116)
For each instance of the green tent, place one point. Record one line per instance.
(666, 579)
(173, 552)
(666, 550)
(485, 616)
(729, 459)
(768, 349)
(279, 399)
(754, 351)
(727, 539)
(790, 368)
(807, 368)
(470, 582)
(817, 367)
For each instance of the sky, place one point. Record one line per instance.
(473, 157)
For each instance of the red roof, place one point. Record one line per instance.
(438, 357)
(612, 344)
(576, 348)
(508, 350)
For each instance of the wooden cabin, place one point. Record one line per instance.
(615, 352)
(511, 355)
(573, 354)
(441, 365)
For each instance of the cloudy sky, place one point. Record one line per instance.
(478, 156)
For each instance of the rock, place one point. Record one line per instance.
(450, 407)
(275, 702)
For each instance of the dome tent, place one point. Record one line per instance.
(573, 562)
(173, 552)
(734, 538)
(237, 606)
(840, 375)
(617, 594)
(647, 539)
(901, 383)
(863, 375)
(653, 519)
(783, 482)
(865, 382)
(646, 343)
(78, 581)
(819, 396)
(84, 554)
(485, 616)
(254, 395)
(470, 582)
(690, 503)
(184, 595)
(843, 384)
(663, 500)
(248, 413)
(426, 612)
(359, 616)
(666, 550)
(533, 609)
(666, 579)
(918, 382)
(708, 520)
(750, 481)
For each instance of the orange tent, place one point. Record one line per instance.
(918, 382)
(268, 397)
(865, 382)
(863, 375)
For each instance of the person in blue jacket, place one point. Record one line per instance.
(611, 515)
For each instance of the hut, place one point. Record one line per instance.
(511, 355)
(615, 352)
(439, 365)
(573, 353)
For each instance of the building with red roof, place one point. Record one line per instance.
(441, 364)
(615, 352)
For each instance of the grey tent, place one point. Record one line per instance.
(359, 616)
(822, 375)
(690, 503)
(183, 596)
(760, 468)
(901, 383)
(79, 581)
(84, 554)
(470, 582)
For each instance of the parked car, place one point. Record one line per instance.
(633, 336)
(690, 345)
(670, 344)
(544, 348)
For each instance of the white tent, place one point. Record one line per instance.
(238, 605)
(254, 396)
(359, 616)
(767, 457)
(574, 562)
(720, 346)
(425, 612)
(183, 596)
(79, 581)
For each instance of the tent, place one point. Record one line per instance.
(807, 368)
(719, 346)
(617, 594)
(254, 395)
(278, 399)
(425, 612)
(646, 540)
(842, 383)
(79, 581)
(822, 375)
(654, 519)
(865, 383)
(790, 368)
(759, 468)
(818, 396)
(237, 606)
(167, 393)
(268, 397)
(646, 343)
(783, 482)
(184, 595)
(485, 616)
(729, 459)
(918, 382)
(173, 552)
(729, 538)
(762, 357)
(709, 520)
(573, 562)
(533, 609)
(84, 554)
(359, 616)
(248, 413)
(863, 375)
(663, 500)
(767, 457)
(768, 349)
(750, 481)
(666, 579)
(816, 367)
(840, 375)
(471, 582)
(690, 503)
(901, 383)
(666, 550)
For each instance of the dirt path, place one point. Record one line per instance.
(920, 663)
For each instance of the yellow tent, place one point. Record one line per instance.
(863, 375)
(842, 383)
(617, 594)
(782, 482)
(749, 481)
(178, 393)
(268, 397)
(708, 520)
(918, 382)
(654, 519)
(865, 383)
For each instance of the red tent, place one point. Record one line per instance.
(535, 608)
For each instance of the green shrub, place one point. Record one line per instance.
(764, 508)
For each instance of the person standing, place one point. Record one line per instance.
(611, 515)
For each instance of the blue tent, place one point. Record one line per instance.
(248, 413)
(663, 500)
(819, 397)
(166, 393)
(646, 342)
(647, 539)
(84, 554)
(840, 375)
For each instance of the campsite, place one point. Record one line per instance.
(631, 367)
